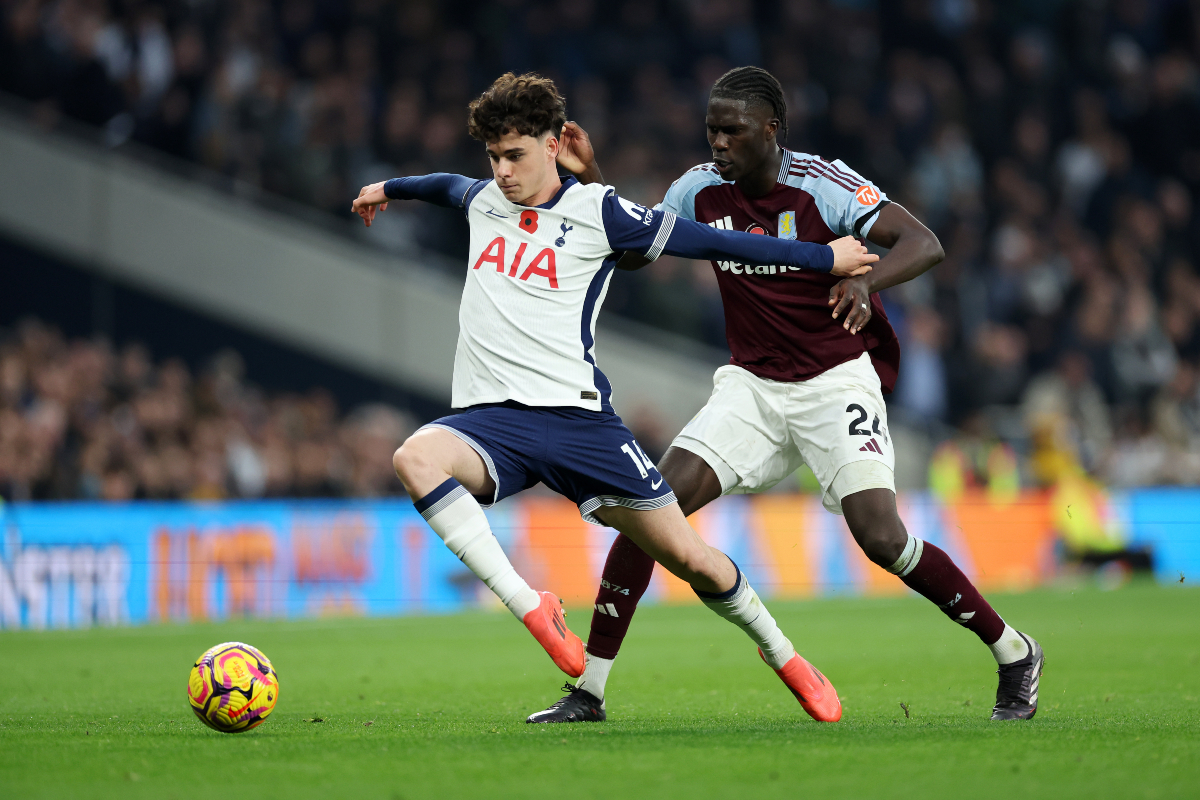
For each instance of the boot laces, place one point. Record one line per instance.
(571, 690)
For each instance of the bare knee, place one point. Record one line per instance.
(695, 565)
(882, 540)
(876, 526)
(412, 462)
(883, 544)
(402, 461)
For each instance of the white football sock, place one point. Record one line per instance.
(1009, 647)
(456, 516)
(741, 606)
(908, 559)
(595, 675)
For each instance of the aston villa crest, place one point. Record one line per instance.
(787, 225)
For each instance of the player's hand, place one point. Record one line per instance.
(850, 257)
(575, 152)
(852, 297)
(371, 199)
(576, 156)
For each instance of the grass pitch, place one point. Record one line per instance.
(434, 707)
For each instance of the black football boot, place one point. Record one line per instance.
(1016, 697)
(579, 705)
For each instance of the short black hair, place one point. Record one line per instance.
(753, 85)
(528, 104)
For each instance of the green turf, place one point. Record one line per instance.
(433, 707)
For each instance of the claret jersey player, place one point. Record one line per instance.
(801, 386)
(798, 389)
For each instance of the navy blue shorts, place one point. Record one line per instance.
(589, 457)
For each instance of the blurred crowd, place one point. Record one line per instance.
(1053, 145)
(80, 420)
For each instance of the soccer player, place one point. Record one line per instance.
(535, 405)
(812, 357)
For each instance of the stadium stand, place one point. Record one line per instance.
(79, 419)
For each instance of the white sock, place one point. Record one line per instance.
(1009, 647)
(455, 516)
(741, 606)
(595, 675)
(908, 559)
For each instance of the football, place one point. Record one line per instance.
(233, 687)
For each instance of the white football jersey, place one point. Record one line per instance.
(536, 278)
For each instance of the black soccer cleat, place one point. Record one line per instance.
(1017, 695)
(579, 705)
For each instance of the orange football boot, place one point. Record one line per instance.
(547, 625)
(816, 695)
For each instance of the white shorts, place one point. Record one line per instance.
(754, 432)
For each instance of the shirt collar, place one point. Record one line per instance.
(784, 164)
(567, 182)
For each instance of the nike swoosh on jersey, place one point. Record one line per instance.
(656, 485)
(494, 213)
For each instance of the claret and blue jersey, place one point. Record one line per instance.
(536, 279)
(777, 320)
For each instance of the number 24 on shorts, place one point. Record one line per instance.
(860, 418)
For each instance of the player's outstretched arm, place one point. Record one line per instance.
(439, 188)
(846, 259)
(850, 257)
(690, 239)
(651, 233)
(913, 250)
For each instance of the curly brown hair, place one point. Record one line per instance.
(528, 104)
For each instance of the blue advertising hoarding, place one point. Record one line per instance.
(76, 564)
(81, 564)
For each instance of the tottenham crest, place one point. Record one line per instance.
(787, 225)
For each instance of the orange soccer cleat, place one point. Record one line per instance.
(547, 625)
(816, 695)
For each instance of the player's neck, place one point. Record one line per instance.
(546, 193)
(762, 180)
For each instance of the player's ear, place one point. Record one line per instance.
(552, 146)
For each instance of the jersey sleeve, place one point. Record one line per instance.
(652, 232)
(848, 202)
(439, 188)
(681, 197)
